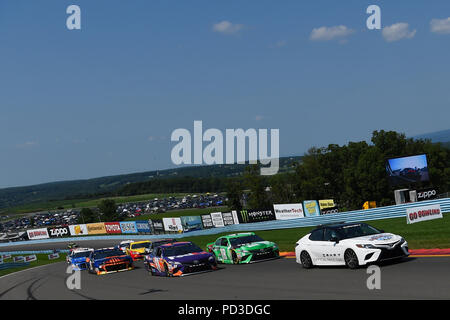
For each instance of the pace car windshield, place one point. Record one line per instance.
(244, 240)
(356, 230)
(181, 250)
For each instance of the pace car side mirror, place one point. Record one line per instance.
(335, 239)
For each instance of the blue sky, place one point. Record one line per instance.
(104, 100)
(419, 161)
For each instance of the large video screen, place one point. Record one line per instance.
(407, 170)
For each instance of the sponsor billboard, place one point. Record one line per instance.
(18, 259)
(53, 256)
(228, 218)
(407, 170)
(156, 225)
(112, 228)
(78, 230)
(143, 227)
(172, 225)
(288, 211)
(191, 223)
(311, 208)
(426, 194)
(96, 228)
(424, 213)
(217, 219)
(30, 258)
(329, 210)
(250, 216)
(207, 221)
(128, 227)
(37, 234)
(1, 260)
(325, 204)
(57, 232)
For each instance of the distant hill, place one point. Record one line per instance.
(438, 136)
(94, 188)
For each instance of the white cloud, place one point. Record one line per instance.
(398, 31)
(330, 33)
(441, 26)
(226, 27)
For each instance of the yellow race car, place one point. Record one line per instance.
(137, 249)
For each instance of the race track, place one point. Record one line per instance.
(413, 278)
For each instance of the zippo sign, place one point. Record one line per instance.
(58, 232)
(424, 213)
(427, 194)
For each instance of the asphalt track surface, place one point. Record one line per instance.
(412, 278)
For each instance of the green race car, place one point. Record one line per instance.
(242, 248)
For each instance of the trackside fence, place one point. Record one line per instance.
(396, 211)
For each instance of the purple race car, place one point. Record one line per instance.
(179, 259)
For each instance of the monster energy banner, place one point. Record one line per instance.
(250, 216)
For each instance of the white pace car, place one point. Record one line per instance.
(350, 244)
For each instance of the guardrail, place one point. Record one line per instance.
(5, 266)
(396, 211)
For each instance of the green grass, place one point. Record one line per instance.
(423, 235)
(42, 259)
(178, 213)
(84, 203)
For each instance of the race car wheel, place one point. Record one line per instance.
(305, 259)
(234, 257)
(351, 260)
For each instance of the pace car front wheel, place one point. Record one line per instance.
(351, 260)
(305, 259)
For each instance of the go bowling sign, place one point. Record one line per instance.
(425, 213)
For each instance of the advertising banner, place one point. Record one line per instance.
(329, 210)
(250, 216)
(30, 258)
(112, 228)
(18, 259)
(172, 225)
(1, 260)
(58, 232)
(325, 204)
(426, 194)
(207, 221)
(217, 219)
(96, 228)
(288, 211)
(143, 227)
(78, 230)
(37, 234)
(128, 227)
(191, 223)
(235, 217)
(53, 256)
(311, 208)
(424, 213)
(6, 256)
(227, 218)
(157, 226)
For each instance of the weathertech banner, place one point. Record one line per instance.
(128, 227)
(112, 228)
(57, 232)
(172, 225)
(37, 234)
(311, 208)
(96, 228)
(250, 216)
(288, 211)
(78, 230)
(419, 214)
